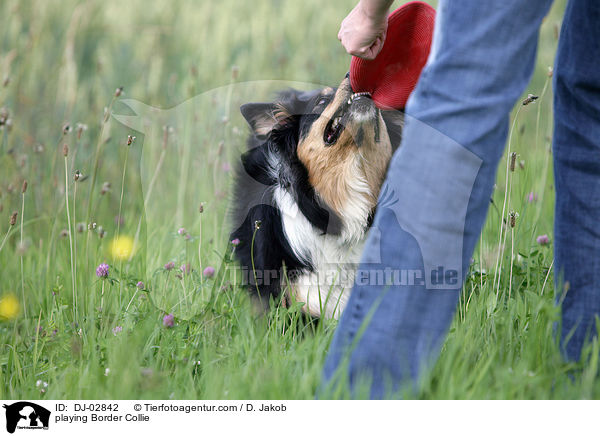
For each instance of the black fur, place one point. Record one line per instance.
(255, 183)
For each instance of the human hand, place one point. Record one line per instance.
(363, 34)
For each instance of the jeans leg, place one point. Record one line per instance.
(577, 173)
(436, 195)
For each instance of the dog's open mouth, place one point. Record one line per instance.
(339, 121)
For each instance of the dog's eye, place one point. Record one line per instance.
(322, 101)
(320, 105)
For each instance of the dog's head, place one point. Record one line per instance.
(338, 138)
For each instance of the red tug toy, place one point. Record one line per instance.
(393, 74)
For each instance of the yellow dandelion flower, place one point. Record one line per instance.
(9, 307)
(121, 248)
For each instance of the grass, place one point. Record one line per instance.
(63, 63)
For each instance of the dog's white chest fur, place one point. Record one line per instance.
(326, 290)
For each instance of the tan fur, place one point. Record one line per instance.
(334, 170)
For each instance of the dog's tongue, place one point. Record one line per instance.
(393, 74)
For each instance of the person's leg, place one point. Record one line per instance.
(577, 173)
(437, 190)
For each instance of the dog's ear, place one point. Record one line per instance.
(263, 117)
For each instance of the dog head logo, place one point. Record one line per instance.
(26, 415)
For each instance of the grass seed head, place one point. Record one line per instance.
(3, 115)
(530, 99)
(235, 72)
(513, 218)
(105, 188)
(13, 218)
(21, 248)
(80, 128)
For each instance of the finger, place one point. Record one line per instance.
(360, 53)
(369, 56)
(376, 48)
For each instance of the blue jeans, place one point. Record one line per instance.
(436, 195)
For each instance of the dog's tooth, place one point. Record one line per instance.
(358, 94)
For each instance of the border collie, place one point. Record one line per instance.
(306, 191)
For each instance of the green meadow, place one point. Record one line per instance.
(116, 271)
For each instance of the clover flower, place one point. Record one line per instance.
(532, 197)
(169, 320)
(543, 240)
(102, 270)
